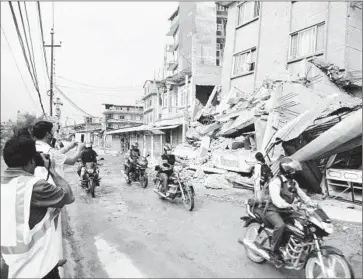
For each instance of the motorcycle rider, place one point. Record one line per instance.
(167, 166)
(88, 156)
(283, 191)
(131, 157)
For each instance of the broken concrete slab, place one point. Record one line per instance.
(206, 169)
(236, 160)
(204, 146)
(217, 181)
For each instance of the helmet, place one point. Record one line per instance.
(167, 147)
(289, 166)
(88, 144)
(134, 145)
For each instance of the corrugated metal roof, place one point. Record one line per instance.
(297, 126)
(326, 144)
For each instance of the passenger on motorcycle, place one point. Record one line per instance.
(283, 191)
(131, 157)
(167, 166)
(88, 156)
(261, 175)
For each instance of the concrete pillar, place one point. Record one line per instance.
(144, 144)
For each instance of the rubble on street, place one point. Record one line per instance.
(221, 140)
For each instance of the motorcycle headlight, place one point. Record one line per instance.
(328, 228)
(90, 170)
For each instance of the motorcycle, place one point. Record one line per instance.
(178, 187)
(302, 246)
(91, 177)
(139, 174)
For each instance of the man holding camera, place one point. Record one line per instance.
(30, 208)
(43, 133)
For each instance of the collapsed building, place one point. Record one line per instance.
(315, 118)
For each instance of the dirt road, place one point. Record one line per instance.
(126, 231)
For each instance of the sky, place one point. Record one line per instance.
(108, 50)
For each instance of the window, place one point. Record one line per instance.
(219, 27)
(218, 46)
(307, 42)
(149, 103)
(248, 11)
(244, 62)
(122, 117)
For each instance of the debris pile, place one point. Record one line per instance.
(338, 76)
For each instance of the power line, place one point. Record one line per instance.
(42, 33)
(100, 87)
(94, 91)
(17, 66)
(70, 101)
(27, 44)
(24, 54)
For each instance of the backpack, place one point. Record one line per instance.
(265, 198)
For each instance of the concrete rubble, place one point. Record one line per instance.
(224, 136)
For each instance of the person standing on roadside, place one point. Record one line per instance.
(43, 133)
(30, 208)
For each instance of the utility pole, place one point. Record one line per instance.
(52, 46)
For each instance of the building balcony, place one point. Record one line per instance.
(172, 65)
(173, 47)
(174, 27)
(123, 112)
(125, 121)
(222, 14)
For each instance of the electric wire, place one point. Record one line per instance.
(100, 87)
(17, 66)
(70, 101)
(24, 54)
(30, 36)
(27, 44)
(42, 34)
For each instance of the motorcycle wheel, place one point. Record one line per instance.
(143, 180)
(251, 234)
(189, 200)
(330, 261)
(91, 187)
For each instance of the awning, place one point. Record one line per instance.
(146, 128)
(166, 127)
(345, 133)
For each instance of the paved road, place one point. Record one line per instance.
(126, 231)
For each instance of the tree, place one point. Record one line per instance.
(25, 120)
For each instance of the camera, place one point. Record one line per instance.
(39, 160)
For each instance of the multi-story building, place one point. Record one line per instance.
(118, 117)
(192, 63)
(271, 39)
(150, 99)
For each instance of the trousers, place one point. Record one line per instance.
(276, 219)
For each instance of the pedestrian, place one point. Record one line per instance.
(261, 175)
(43, 133)
(30, 208)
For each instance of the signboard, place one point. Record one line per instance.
(348, 175)
(239, 160)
